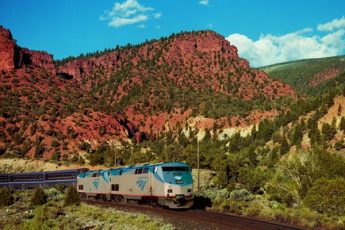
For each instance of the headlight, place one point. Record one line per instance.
(179, 181)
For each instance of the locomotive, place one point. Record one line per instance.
(168, 184)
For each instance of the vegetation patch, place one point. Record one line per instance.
(55, 215)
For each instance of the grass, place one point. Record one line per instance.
(53, 215)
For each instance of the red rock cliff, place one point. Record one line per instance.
(14, 57)
(8, 50)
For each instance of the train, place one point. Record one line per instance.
(167, 184)
(28, 181)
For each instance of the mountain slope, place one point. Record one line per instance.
(131, 92)
(197, 73)
(308, 76)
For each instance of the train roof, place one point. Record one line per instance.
(124, 169)
(46, 172)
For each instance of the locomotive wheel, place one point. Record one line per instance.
(118, 198)
(83, 196)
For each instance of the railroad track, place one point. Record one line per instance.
(199, 219)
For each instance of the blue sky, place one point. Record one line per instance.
(265, 32)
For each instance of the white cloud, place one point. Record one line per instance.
(330, 26)
(270, 49)
(127, 13)
(157, 15)
(118, 22)
(203, 2)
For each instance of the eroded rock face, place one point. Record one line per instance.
(15, 57)
(8, 50)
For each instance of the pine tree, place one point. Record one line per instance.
(284, 146)
(221, 167)
(314, 135)
(297, 135)
(342, 124)
(6, 197)
(71, 196)
(39, 197)
(328, 132)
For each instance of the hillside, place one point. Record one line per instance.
(51, 109)
(309, 76)
(272, 153)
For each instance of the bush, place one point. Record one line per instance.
(241, 194)
(253, 179)
(56, 156)
(54, 194)
(84, 146)
(327, 196)
(39, 197)
(55, 143)
(71, 196)
(6, 197)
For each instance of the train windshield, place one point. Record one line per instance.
(175, 168)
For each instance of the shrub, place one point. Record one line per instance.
(6, 197)
(39, 197)
(84, 146)
(327, 196)
(253, 179)
(55, 143)
(71, 196)
(56, 156)
(241, 194)
(54, 194)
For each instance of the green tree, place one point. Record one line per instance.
(39, 197)
(284, 146)
(84, 146)
(314, 135)
(327, 196)
(297, 135)
(265, 130)
(328, 132)
(305, 169)
(222, 170)
(71, 196)
(6, 196)
(235, 142)
(342, 124)
(253, 179)
(56, 156)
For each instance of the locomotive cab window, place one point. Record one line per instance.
(81, 187)
(138, 171)
(175, 168)
(114, 187)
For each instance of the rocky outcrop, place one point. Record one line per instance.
(8, 50)
(14, 57)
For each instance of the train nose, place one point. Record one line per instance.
(180, 200)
